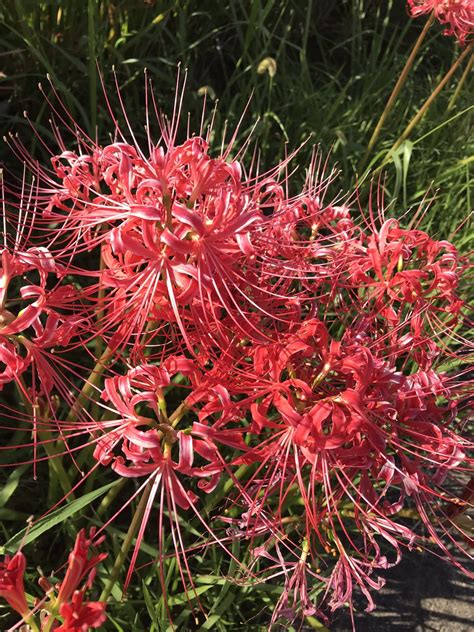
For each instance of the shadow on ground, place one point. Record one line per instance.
(422, 594)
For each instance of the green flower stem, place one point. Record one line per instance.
(311, 621)
(464, 76)
(229, 484)
(110, 497)
(127, 543)
(395, 92)
(53, 611)
(30, 620)
(89, 385)
(178, 414)
(51, 619)
(54, 452)
(426, 105)
(50, 447)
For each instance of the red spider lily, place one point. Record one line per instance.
(345, 427)
(191, 258)
(457, 15)
(39, 325)
(43, 318)
(189, 267)
(145, 442)
(38, 311)
(299, 580)
(11, 583)
(41, 315)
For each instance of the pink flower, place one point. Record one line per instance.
(457, 15)
(298, 579)
(145, 441)
(185, 235)
(35, 317)
(337, 420)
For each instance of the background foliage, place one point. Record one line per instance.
(336, 63)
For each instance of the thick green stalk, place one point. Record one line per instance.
(395, 92)
(110, 497)
(32, 625)
(56, 463)
(53, 613)
(127, 543)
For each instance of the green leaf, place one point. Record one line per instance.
(186, 597)
(150, 606)
(27, 535)
(12, 483)
(210, 623)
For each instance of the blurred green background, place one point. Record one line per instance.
(309, 68)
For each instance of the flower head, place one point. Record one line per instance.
(457, 15)
(268, 341)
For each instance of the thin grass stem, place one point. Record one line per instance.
(91, 19)
(464, 76)
(395, 92)
(426, 105)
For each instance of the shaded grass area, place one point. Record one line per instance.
(336, 64)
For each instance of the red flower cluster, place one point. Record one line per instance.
(290, 346)
(457, 15)
(74, 614)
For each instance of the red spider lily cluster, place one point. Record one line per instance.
(278, 366)
(34, 318)
(63, 608)
(456, 15)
